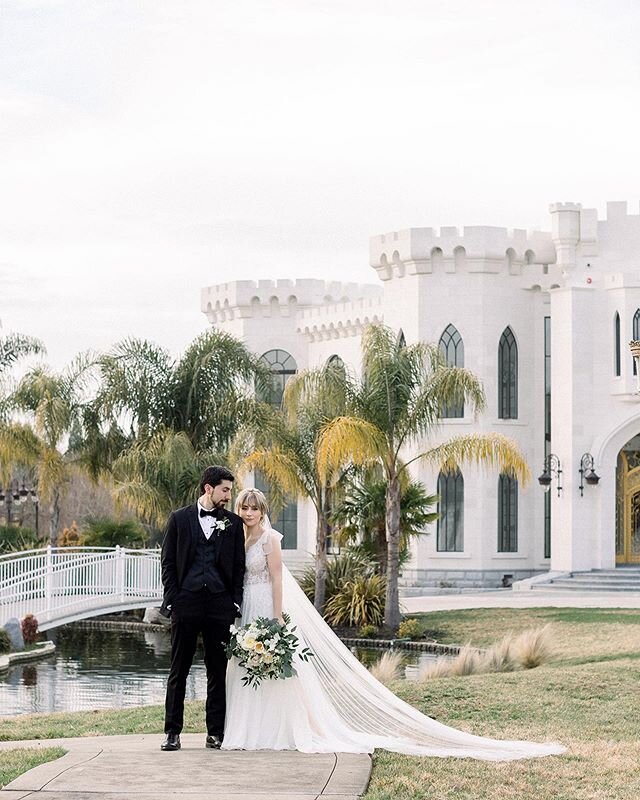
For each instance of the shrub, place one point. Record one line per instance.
(107, 532)
(410, 629)
(340, 569)
(70, 537)
(359, 602)
(5, 641)
(387, 668)
(29, 629)
(13, 539)
(367, 632)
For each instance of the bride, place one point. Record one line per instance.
(333, 704)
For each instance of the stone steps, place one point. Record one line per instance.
(624, 579)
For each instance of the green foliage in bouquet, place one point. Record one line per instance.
(265, 648)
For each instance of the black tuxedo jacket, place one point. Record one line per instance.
(178, 550)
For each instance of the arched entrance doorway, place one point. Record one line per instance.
(628, 503)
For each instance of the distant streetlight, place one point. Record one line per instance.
(16, 495)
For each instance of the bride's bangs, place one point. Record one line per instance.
(253, 498)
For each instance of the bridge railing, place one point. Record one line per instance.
(53, 581)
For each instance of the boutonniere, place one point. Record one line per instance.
(220, 525)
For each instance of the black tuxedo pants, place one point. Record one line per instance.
(210, 615)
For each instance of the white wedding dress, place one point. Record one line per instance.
(334, 704)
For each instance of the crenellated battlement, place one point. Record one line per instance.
(474, 249)
(341, 319)
(264, 298)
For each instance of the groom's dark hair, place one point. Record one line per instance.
(215, 475)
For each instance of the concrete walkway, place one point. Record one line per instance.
(134, 768)
(507, 598)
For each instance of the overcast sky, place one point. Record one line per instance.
(149, 148)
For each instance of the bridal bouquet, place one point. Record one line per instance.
(265, 648)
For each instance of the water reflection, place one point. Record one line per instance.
(96, 669)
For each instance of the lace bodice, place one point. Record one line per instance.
(256, 566)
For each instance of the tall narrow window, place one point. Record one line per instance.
(547, 431)
(507, 514)
(282, 366)
(402, 342)
(450, 532)
(616, 345)
(508, 376)
(452, 349)
(636, 335)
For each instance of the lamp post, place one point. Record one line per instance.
(634, 346)
(15, 495)
(551, 466)
(587, 472)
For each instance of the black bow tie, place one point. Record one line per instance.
(205, 513)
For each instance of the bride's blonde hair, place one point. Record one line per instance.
(252, 497)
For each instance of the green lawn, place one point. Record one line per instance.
(15, 762)
(586, 697)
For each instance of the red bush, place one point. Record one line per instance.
(29, 629)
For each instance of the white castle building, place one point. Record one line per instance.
(544, 320)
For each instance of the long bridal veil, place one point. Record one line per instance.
(343, 689)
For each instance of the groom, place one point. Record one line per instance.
(202, 575)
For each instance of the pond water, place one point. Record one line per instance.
(101, 668)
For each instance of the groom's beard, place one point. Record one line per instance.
(220, 504)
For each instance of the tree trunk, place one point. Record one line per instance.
(55, 519)
(392, 603)
(381, 547)
(321, 561)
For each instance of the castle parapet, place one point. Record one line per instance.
(474, 249)
(264, 298)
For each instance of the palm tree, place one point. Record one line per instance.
(361, 516)
(54, 403)
(398, 404)
(284, 448)
(205, 394)
(157, 422)
(159, 474)
(13, 348)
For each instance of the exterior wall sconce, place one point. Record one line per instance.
(634, 346)
(551, 466)
(587, 472)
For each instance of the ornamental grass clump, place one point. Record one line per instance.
(5, 641)
(526, 650)
(533, 647)
(387, 668)
(359, 602)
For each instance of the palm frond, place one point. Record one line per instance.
(347, 440)
(490, 449)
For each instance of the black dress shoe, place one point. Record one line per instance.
(214, 741)
(172, 742)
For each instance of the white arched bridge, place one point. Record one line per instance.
(64, 584)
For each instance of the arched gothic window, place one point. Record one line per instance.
(450, 533)
(508, 376)
(452, 348)
(636, 334)
(507, 514)
(616, 345)
(283, 366)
